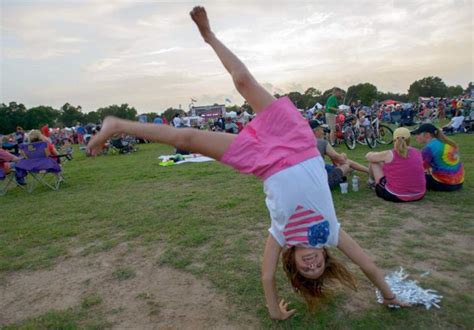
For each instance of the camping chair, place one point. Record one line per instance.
(38, 162)
(121, 145)
(395, 117)
(6, 180)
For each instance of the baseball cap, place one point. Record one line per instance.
(314, 124)
(428, 128)
(401, 132)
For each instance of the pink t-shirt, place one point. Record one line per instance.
(279, 137)
(406, 176)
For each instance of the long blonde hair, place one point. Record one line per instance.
(313, 289)
(35, 136)
(401, 146)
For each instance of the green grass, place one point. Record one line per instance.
(124, 273)
(212, 223)
(86, 316)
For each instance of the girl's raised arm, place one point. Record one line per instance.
(354, 252)
(245, 83)
(277, 310)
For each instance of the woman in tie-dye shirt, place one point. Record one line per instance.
(444, 169)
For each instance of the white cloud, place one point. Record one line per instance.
(150, 53)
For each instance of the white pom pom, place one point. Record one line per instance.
(408, 291)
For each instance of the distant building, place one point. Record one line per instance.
(207, 111)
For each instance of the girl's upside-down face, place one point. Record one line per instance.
(310, 262)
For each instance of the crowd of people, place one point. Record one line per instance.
(460, 110)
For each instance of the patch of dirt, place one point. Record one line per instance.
(459, 242)
(151, 297)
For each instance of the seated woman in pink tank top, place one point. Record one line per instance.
(398, 174)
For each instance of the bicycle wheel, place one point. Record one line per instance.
(349, 138)
(384, 135)
(359, 136)
(370, 138)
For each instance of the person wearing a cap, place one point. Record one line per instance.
(342, 165)
(398, 174)
(441, 160)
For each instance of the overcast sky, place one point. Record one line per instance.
(149, 54)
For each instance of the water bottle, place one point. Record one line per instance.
(355, 183)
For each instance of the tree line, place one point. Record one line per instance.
(16, 114)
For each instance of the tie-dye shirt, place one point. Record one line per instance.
(444, 161)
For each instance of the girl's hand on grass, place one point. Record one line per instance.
(284, 313)
(396, 302)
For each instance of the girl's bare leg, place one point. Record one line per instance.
(212, 144)
(358, 167)
(248, 87)
(376, 171)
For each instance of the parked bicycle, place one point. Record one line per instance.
(344, 132)
(378, 133)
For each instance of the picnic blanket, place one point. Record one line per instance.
(168, 160)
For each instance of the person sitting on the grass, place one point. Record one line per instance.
(455, 125)
(341, 164)
(279, 147)
(444, 169)
(398, 174)
(231, 126)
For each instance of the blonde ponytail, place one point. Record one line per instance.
(401, 146)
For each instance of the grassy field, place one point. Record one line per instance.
(212, 222)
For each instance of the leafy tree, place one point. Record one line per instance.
(91, 117)
(366, 93)
(426, 87)
(234, 108)
(310, 97)
(297, 99)
(123, 111)
(469, 87)
(70, 115)
(313, 92)
(11, 116)
(40, 115)
(455, 91)
(170, 113)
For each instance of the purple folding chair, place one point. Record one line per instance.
(37, 161)
(7, 180)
